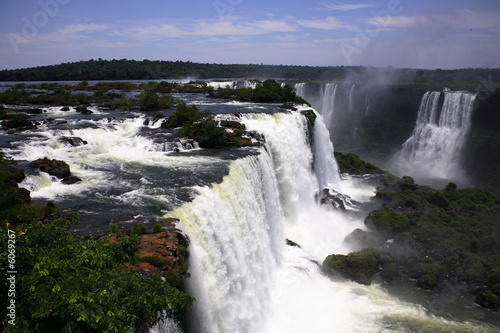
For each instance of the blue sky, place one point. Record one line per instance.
(400, 33)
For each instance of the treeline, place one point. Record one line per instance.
(123, 69)
(143, 70)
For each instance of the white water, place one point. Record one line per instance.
(244, 277)
(435, 148)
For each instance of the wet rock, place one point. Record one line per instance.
(356, 266)
(364, 239)
(83, 110)
(59, 169)
(65, 108)
(18, 124)
(73, 141)
(71, 180)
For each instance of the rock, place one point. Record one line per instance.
(292, 243)
(488, 299)
(18, 175)
(18, 124)
(23, 196)
(157, 252)
(73, 141)
(363, 239)
(310, 116)
(356, 266)
(387, 221)
(336, 200)
(71, 180)
(65, 108)
(83, 110)
(59, 169)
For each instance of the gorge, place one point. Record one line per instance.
(258, 231)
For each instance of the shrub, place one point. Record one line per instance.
(387, 221)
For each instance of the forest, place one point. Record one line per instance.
(467, 79)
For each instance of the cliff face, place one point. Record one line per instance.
(482, 150)
(374, 121)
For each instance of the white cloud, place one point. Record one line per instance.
(328, 23)
(68, 33)
(344, 6)
(464, 19)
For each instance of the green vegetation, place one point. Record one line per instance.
(434, 235)
(202, 127)
(268, 91)
(69, 283)
(150, 101)
(356, 266)
(123, 69)
(350, 163)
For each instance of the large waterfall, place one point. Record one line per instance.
(435, 148)
(243, 275)
(238, 206)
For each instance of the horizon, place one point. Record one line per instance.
(378, 33)
(261, 64)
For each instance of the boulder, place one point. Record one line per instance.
(71, 180)
(356, 266)
(83, 110)
(361, 238)
(387, 221)
(73, 141)
(59, 169)
(65, 108)
(18, 124)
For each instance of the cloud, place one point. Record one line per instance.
(463, 19)
(328, 23)
(204, 29)
(344, 6)
(69, 33)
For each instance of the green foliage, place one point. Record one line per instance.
(387, 221)
(357, 266)
(148, 101)
(350, 163)
(207, 133)
(68, 281)
(138, 229)
(186, 114)
(268, 91)
(154, 260)
(157, 228)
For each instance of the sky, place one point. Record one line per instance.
(426, 34)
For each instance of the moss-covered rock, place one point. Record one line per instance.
(357, 266)
(390, 271)
(310, 116)
(387, 221)
(350, 163)
(364, 238)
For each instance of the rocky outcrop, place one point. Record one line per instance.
(357, 266)
(158, 252)
(57, 168)
(83, 110)
(73, 141)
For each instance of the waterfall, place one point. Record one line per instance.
(237, 228)
(434, 150)
(350, 107)
(325, 165)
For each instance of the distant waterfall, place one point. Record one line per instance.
(434, 150)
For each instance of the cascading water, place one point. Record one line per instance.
(435, 148)
(244, 277)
